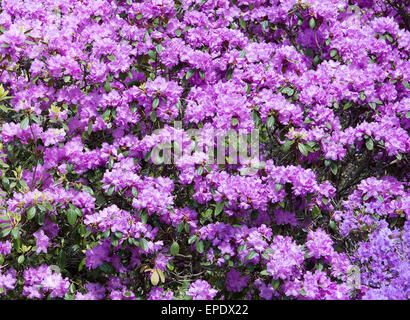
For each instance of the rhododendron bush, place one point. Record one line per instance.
(105, 193)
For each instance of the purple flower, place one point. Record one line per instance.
(201, 290)
(42, 241)
(234, 282)
(5, 247)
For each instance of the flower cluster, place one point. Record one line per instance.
(94, 92)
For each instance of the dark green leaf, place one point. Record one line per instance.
(174, 248)
(369, 144)
(155, 103)
(153, 116)
(31, 213)
(24, 123)
(158, 48)
(242, 23)
(134, 192)
(251, 255)
(144, 244)
(315, 211)
(312, 23)
(219, 207)
(192, 239)
(286, 146)
(71, 216)
(200, 246)
(189, 74)
(302, 148)
(234, 122)
(270, 122)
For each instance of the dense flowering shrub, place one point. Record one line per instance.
(90, 89)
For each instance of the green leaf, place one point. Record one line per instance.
(369, 144)
(219, 207)
(286, 146)
(5, 232)
(144, 217)
(265, 272)
(153, 116)
(144, 244)
(312, 23)
(251, 255)
(302, 148)
(110, 190)
(265, 25)
(275, 284)
(278, 187)
(199, 246)
(20, 259)
(192, 239)
(332, 224)
(24, 123)
(333, 168)
(155, 103)
(189, 74)
(380, 198)
(229, 74)
(49, 206)
(270, 122)
(15, 233)
(408, 115)
(81, 265)
(71, 216)
(152, 54)
(4, 108)
(90, 127)
(325, 201)
(288, 90)
(41, 216)
(134, 192)
(158, 48)
(234, 122)
(362, 96)
(333, 53)
(180, 227)
(88, 189)
(174, 248)
(107, 86)
(347, 105)
(389, 37)
(242, 23)
(315, 211)
(31, 213)
(155, 278)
